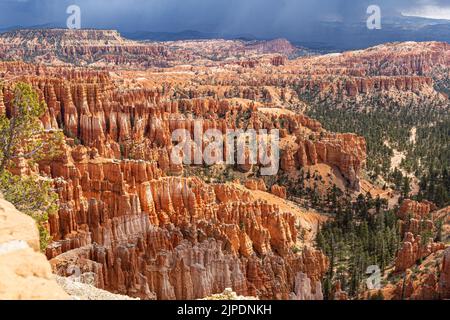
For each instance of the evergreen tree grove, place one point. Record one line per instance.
(22, 136)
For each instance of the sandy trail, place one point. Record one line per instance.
(399, 156)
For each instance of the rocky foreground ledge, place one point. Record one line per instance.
(25, 273)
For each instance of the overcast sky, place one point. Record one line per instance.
(262, 18)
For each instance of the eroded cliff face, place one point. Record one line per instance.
(137, 224)
(402, 67)
(107, 48)
(129, 217)
(79, 47)
(171, 237)
(138, 123)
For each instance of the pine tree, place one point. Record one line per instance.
(22, 136)
(406, 187)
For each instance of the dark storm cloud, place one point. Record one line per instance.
(264, 18)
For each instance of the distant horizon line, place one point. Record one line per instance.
(314, 45)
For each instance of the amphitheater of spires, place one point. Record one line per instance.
(143, 226)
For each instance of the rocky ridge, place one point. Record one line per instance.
(107, 48)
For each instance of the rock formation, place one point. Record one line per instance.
(443, 217)
(79, 290)
(416, 220)
(444, 280)
(127, 216)
(420, 262)
(414, 249)
(228, 294)
(427, 281)
(416, 217)
(338, 293)
(107, 48)
(279, 191)
(64, 46)
(163, 240)
(136, 223)
(142, 233)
